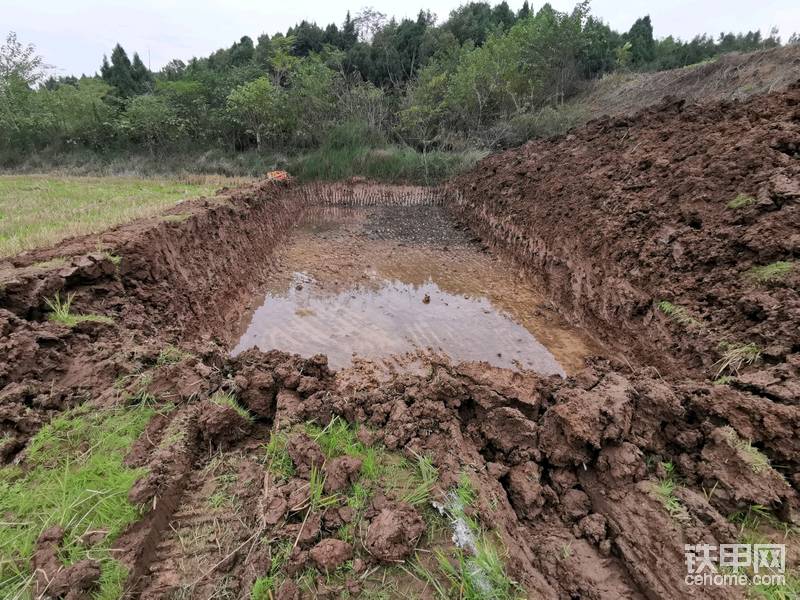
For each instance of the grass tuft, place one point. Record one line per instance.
(60, 312)
(736, 356)
(170, 355)
(425, 477)
(755, 458)
(664, 490)
(278, 461)
(741, 201)
(480, 576)
(228, 399)
(772, 272)
(678, 314)
(74, 478)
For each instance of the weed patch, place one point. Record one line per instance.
(74, 478)
(176, 218)
(741, 201)
(772, 272)
(736, 356)
(171, 355)
(61, 312)
(277, 459)
(664, 490)
(228, 399)
(755, 458)
(678, 314)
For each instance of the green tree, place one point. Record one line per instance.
(643, 46)
(21, 62)
(120, 75)
(260, 107)
(151, 121)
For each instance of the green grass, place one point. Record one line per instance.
(264, 587)
(469, 576)
(352, 149)
(170, 355)
(741, 201)
(73, 476)
(755, 458)
(228, 399)
(678, 314)
(424, 478)
(736, 356)
(41, 210)
(61, 313)
(664, 490)
(751, 523)
(772, 272)
(277, 459)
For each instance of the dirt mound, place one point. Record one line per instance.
(675, 229)
(732, 76)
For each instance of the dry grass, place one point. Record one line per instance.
(41, 210)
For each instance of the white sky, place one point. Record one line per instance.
(73, 35)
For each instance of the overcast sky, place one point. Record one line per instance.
(73, 35)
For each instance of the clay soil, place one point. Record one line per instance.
(589, 486)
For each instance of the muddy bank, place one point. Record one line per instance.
(673, 232)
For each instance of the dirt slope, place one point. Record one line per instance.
(732, 76)
(681, 203)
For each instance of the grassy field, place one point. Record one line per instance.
(40, 210)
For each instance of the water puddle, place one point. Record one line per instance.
(379, 281)
(394, 318)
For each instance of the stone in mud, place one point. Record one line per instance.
(306, 532)
(512, 433)
(257, 392)
(273, 502)
(393, 533)
(621, 463)
(341, 473)
(288, 409)
(305, 453)
(331, 553)
(297, 562)
(180, 381)
(525, 491)
(593, 527)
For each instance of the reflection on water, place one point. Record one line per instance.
(392, 317)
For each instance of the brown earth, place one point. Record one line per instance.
(611, 220)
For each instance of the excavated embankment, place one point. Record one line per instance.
(613, 219)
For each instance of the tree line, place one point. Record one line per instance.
(468, 81)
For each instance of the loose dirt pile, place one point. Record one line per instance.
(270, 475)
(678, 228)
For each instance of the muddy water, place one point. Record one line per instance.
(378, 281)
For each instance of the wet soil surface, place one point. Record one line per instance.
(377, 281)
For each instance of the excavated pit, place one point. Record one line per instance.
(381, 280)
(593, 485)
